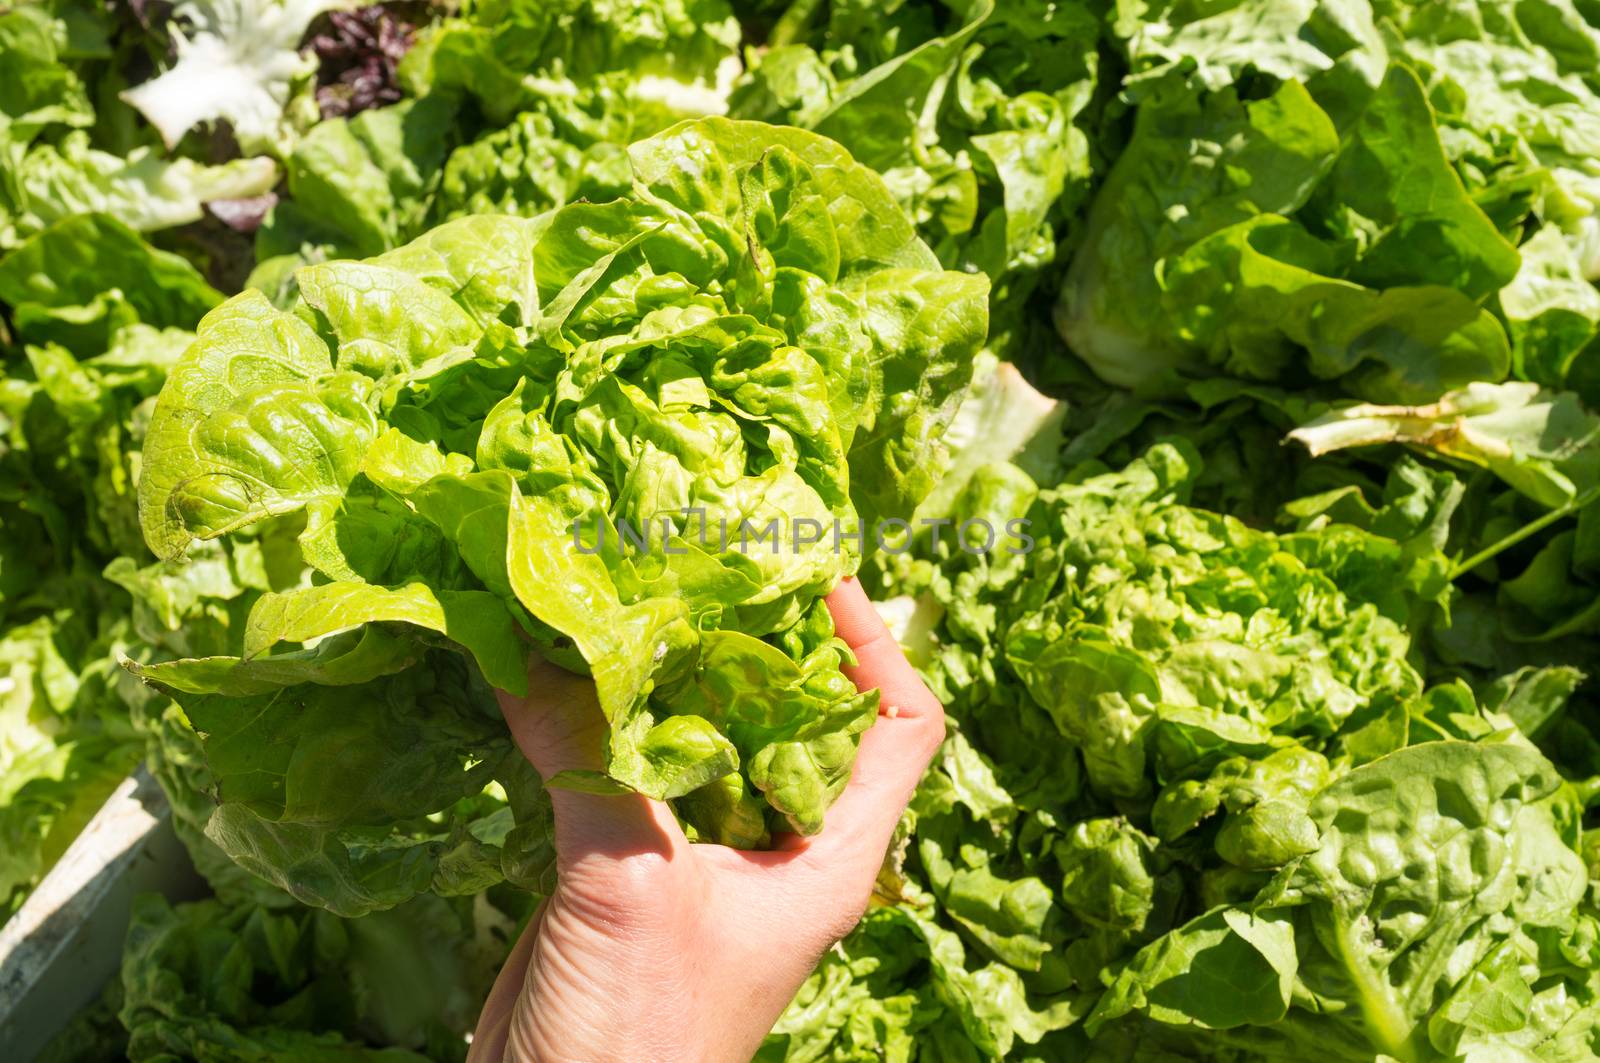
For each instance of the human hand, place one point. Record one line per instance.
(653, 948)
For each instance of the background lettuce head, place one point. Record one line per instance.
(753, 338)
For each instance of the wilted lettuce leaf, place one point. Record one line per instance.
(1534, 441)
(1527, 549)
(65, 742)
(210, 979)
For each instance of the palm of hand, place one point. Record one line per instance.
(655, 948)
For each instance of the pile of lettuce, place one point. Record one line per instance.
(1410, 300)
(70, 144)
(85, 356)
(1281, 742)
(1199, 803)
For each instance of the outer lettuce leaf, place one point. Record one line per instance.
(976, 113)
(140, 189)
(1240, 283)
(298, 812)
(81, 279)
(360, 185)
(245, 980)
(664, 61)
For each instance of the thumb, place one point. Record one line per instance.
(559, 727)
(896, 749)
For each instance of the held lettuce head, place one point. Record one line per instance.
(750, 347)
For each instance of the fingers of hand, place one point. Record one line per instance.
(893, 756)
(819, 886)
(910, 726)
(896, 750)
(880, 663)
(559, 725)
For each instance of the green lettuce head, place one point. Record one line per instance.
(740, 360)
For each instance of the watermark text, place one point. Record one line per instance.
(780, 535)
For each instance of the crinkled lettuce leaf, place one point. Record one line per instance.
(751, 350)
(977, 114)
(238, 60)
(1199, 801)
